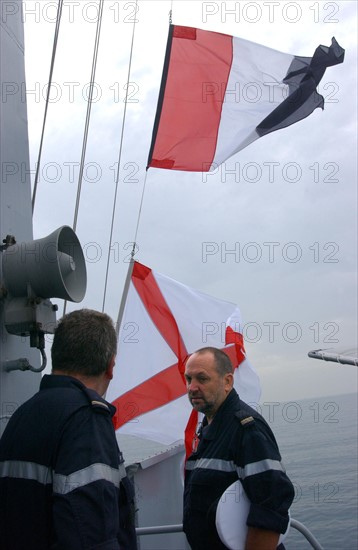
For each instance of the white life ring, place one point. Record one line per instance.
(231, 516)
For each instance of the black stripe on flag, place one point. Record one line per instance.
(302, 78)
(161, 92)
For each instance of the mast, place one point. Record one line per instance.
(15, 197)
(31, 272)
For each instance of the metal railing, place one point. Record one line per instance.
(162, 529)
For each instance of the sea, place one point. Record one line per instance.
(318, 443)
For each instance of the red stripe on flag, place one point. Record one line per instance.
(190, 431)
(232, 337)
(184, 32)
(158, 310)
(155, 392)
(190, 115)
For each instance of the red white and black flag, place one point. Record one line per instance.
(220, 93)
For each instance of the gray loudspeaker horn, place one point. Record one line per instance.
(54, 267)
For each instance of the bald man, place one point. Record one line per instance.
(235, 442)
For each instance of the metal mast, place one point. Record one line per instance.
(15, 197)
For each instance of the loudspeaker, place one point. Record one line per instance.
(52, 267)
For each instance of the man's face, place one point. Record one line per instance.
(206, 388)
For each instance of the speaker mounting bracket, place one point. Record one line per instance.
(8, 241)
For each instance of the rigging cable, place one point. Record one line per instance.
(145, 180)
(53, 56)
(117, 178)
(88, 116)
(119, 161)
(139, 214)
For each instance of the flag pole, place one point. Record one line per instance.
(125, 290)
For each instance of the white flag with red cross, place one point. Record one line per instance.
(164, 322)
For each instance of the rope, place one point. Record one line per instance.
(54, 49)
(146, 173)
(88, 114)
(171, 12)
(118, 165)
(139, 214)
(145, 179)
(87, 122)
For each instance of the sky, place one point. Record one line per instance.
(273, 230)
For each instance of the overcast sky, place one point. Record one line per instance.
(273, 230)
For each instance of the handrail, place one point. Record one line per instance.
(162, 529)
(159, 529)
(306, 533)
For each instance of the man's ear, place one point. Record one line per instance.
(229, 380)
(109, 371)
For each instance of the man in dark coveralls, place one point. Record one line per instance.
(63, 483)
(235, 442)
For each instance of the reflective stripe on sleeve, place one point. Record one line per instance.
(211, 464)
(259, 467)
(229, 466)
(19, 469)
(95, 472)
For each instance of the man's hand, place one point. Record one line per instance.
(261, 539)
